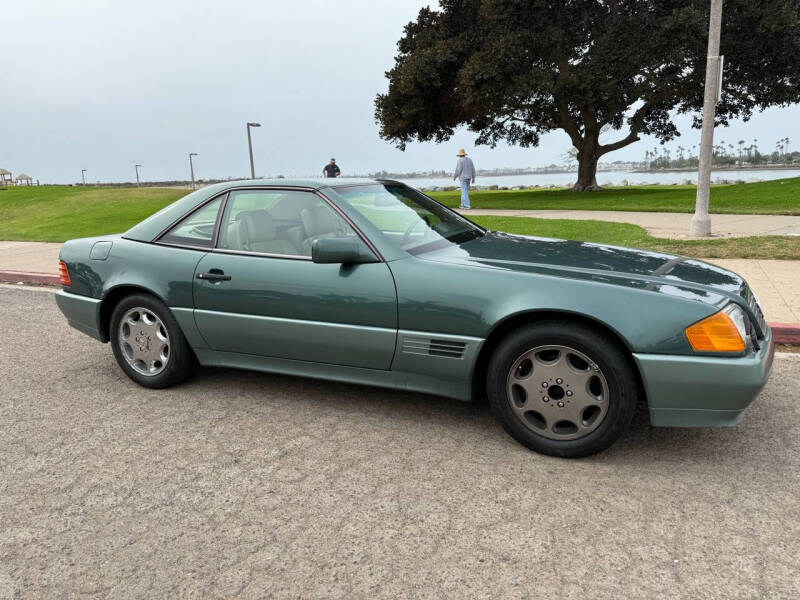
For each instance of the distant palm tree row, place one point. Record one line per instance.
(724, 155)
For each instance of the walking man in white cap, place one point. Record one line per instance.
(465, 173)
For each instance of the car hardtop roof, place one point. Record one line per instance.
(151, 227)
(315, 183)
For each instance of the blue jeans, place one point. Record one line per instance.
(465, 193)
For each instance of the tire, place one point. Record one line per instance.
(148, 343)
(562, 388)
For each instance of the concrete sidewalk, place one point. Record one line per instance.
(666, 225)
(34, 257)
(776, 282)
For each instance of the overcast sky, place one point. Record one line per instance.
(104, 85)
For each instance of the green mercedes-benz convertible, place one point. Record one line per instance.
(373, 282)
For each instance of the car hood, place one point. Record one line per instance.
(665, 273)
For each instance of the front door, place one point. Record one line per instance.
(259, 293)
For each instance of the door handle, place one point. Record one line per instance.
(214, 275)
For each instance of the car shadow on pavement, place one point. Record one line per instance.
(470, 423)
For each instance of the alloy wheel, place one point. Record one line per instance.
(144, 341)
(558, 392)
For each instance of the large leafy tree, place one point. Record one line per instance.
(515, 69)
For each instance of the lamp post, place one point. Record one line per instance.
(700, 225)
(137, 174)
(191, 166)
(250, 148)
(83, 176)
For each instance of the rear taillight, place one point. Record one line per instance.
(63, 273)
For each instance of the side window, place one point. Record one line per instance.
(281, 222)
(197, 229)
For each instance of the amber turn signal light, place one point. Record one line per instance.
(63, 273)
(717, 333)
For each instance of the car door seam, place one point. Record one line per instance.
(396, 316)
(196, 282)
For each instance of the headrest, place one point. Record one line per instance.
(319, 220)
(257, 225)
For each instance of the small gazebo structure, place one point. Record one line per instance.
(24, 179)
(5, 177)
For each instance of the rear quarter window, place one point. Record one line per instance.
(197, 229)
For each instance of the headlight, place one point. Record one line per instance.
(725, 331)
(739, 319)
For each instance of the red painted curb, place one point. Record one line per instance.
(782, 333)
(26, 277)
(786, 333)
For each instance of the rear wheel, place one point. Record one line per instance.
(562, 388)
(148, 343)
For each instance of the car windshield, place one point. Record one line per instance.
(410, 219)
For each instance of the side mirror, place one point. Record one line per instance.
(347, 251)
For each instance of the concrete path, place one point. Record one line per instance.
(666, 225)
(777, 282)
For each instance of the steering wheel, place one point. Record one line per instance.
(412, 226)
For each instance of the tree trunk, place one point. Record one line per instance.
(587, 164)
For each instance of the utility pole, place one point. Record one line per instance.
(137, 174)
(700, 225)
(83, 176)
(250, 148)
(191, 166)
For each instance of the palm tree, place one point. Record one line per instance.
(741, 150)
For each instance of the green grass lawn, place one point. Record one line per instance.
(624, 234)
(59, 213)
(781, 197)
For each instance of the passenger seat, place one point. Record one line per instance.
(319, 222)
(256, 233)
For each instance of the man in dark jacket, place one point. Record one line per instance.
(331, 169)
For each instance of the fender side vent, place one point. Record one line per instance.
(433, 347)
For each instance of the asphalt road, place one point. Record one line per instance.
(270, 486)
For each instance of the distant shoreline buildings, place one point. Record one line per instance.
(7, 178)
(616, 166)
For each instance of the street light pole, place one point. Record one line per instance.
(250, 148)
(700, 225)
(137, 174)
(191, 166)
(83, 176)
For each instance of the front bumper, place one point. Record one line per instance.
(703, 391)
(82, 312)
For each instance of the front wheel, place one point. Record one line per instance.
(148, 343)
(562, 388)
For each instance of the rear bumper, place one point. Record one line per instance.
(702, 391)
(82, 312)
